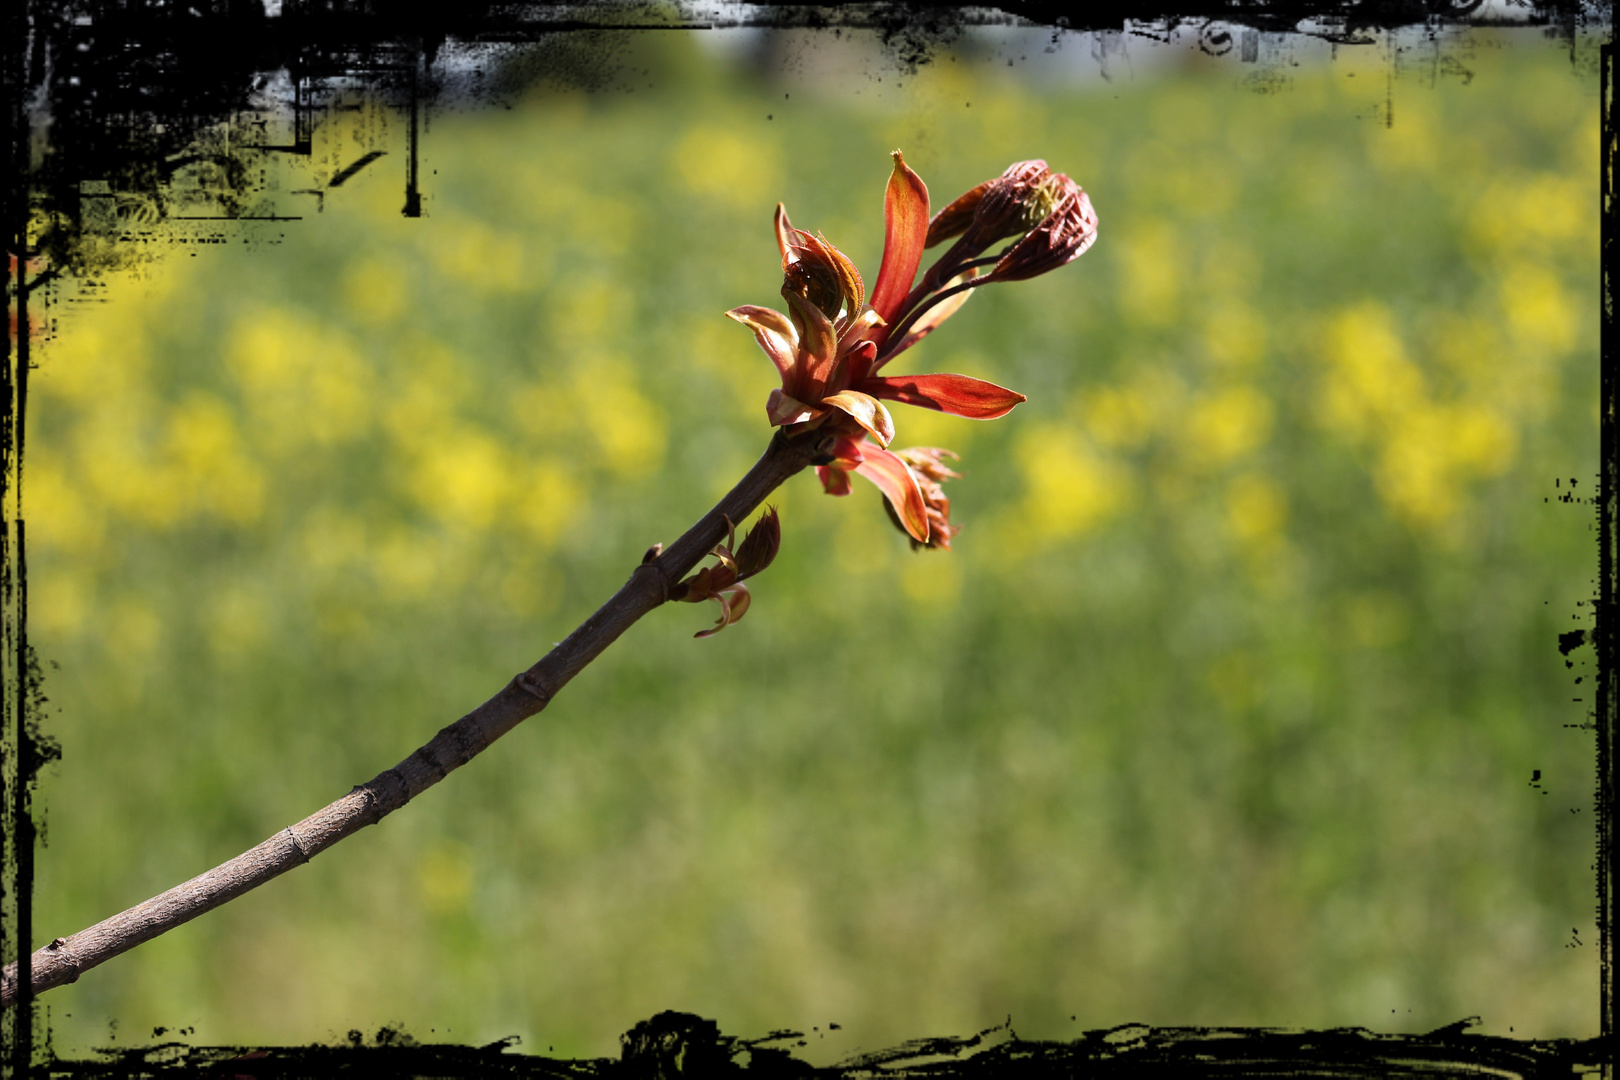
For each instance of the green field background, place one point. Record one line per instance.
(1225, 707)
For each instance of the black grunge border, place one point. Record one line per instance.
(187, 66)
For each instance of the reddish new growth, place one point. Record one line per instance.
(723, 583)
(834, 341)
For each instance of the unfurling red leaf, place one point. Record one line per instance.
(781, 409)
(820, 343)
(894, 478)
(833, 481)
(774, 332)
(866, 411)
(733, 604)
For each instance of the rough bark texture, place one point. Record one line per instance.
(65, 959)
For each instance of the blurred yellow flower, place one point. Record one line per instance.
(1068, 490)
(1226, 425)
(1410, 144)
(101, 354)
(304, 383)
(430, 382)
(1152, 262)
(1469, 350)
(1370, 380)
(208, 461)
(1480, 438)
(627, 426)
(334, 538)
(547, 500)
(722, 164)
(463, 478)
(115, 460)
(474, 253)
(1545, 210)
(60, 602)
(59, 516)
(1539, 312)
(1124, 416)
(1256, 509)
(1425, 461)
(408, 565)
(1426, 449)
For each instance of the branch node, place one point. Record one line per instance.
(658, 573)
(530, 684)
(465, 750)
(427, 756)
(72, 962)
(374, 797)
(372, 801)
(404, 786)
(298, 845)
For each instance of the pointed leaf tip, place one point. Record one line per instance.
(905, 228)
(784, 232)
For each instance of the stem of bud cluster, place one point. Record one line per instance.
(899, 332)
(944, 270)
(988, 260)
(945, 267)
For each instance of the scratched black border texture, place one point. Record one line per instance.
(177, 72)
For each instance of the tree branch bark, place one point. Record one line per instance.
(65, 959)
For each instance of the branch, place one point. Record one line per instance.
(65, 959)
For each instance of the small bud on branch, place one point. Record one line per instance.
(724, 583)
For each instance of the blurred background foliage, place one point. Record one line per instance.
(1224, 709)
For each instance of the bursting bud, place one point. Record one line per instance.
(760, 546)
(955, 218)
(926, 462)
(1012, 203)
(1061, 237)
(723, 582)
(927, 468)
(814, 270)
